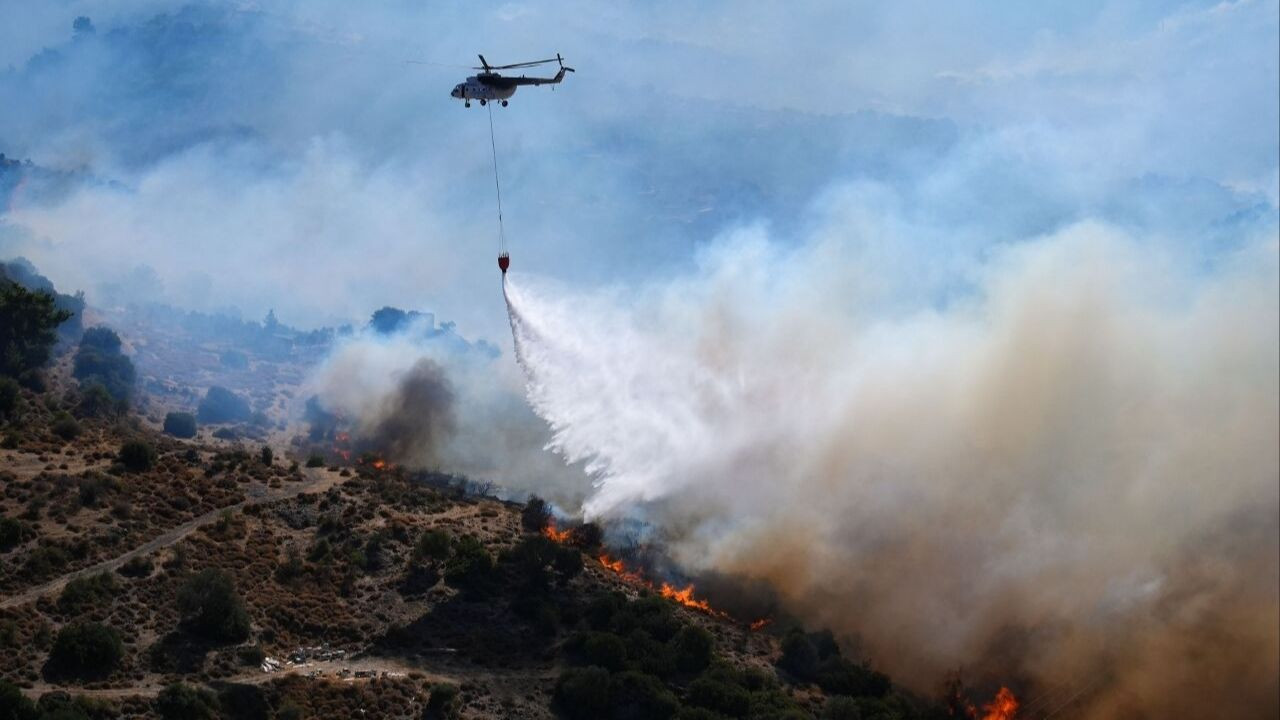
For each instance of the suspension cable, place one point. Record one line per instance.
(502, 238)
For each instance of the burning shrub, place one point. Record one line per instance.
(180, 424)
(220, 405)
(587, 536)
(583, 693)
(137, 456)
(85, 650)
(183, 702)
(212, 607)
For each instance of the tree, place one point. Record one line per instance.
(220, 405)
(137, 456)
(9, 394)
(99, 360)
(180, 424)
(266, 455)
(85, 650)
(442, 703)
(212, 607)
(799, 656)
(692, 649)
(28, 321)
(183, 702)
(95, 401)
(470, 562)
(535, 515)
(432, 545)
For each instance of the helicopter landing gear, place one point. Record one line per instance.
(483, 102)
(504, 103)
(466, 104)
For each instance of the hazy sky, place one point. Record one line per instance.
(241, 149)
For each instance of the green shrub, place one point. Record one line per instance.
(212, 608)
(95, 400)
(442, 702)
(86, 592)
(10, 392)
(636, 695)
(431, 545)
(267, 456)
(315, 460)
(470, 562)
(841, 708)
(691, 649)
(723, 697)
(137, 456)
(85, 650)
(65, 426)
(99, 360)
(838, 676)
(583, 693)
(220, 405)
(242, 702)
(799, 656)
(605, 650)
(14, 705)
(183, 702)
(137, 566)
(12, 533)
(180, 424)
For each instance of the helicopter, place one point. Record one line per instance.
(489, 85)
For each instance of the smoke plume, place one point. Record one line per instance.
(1059, 468)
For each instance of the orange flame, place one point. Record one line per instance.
(762, 623)
(684, 596)
(560, 536)
(1003, 707)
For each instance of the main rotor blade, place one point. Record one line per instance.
(520, 65)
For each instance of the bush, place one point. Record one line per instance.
(242, 702)
(137, 456)
(841, 708)
(636, 695)
(65, 426)
(603, 649)
(838, 676)
(99, 360)
(315, 460)
(587, 536)
(27, 324)
(470, 562)
(137, 566)
(267, 456)
(220, 405)
(431, 545)
(692, 649)
(95, 401)
(583, 693)
(212, 608)
(85, 650)
(9, 394)
(535, 515)
(180, 424)
(14, 705)
(723, 697)
(799, 656)
(83, 593)
(183, 702)
(442, 703)
(12, 533)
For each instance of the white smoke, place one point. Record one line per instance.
(949, 457)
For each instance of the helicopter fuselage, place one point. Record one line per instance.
(492, 86)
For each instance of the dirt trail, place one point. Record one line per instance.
(318, 480)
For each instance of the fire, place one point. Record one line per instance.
(684, 595)
(379, 464)
(1003, 707)
(762, 623)
(560, 536)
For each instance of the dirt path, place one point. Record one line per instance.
(318, 480)
(329, 671)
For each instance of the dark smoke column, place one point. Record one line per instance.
(504, 262)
